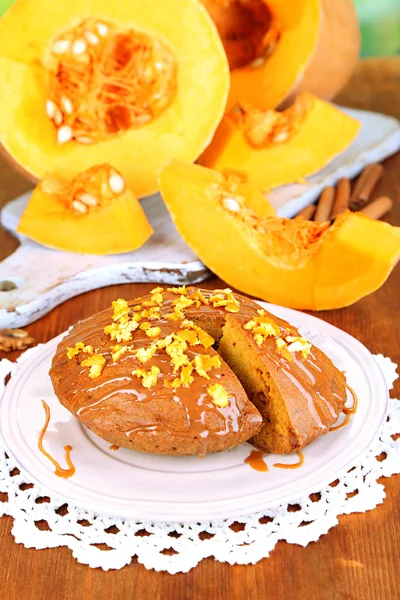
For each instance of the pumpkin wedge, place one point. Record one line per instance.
(276, 148)
(278, 48)
(129, 83)
(292, 262)
(95, 213)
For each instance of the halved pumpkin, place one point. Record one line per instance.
(295, 263)
(95, 213)
(278, 48)
(130, 83)
(276, 148)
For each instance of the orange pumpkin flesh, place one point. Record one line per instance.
(278, 48)
(295, 263)
(94, 213)
(279, 148)
(123, 82)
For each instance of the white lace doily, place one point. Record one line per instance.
(44, 521)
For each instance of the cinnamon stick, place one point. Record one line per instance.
(365, 186)
(308, 212)
(324, 206)
(360, 182)
(342, 199)
(377, 208)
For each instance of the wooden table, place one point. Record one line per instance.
(356, 560)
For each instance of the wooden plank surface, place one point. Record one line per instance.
(356, 560)
(375, 85)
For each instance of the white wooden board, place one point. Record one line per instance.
(45, 278)
(378, 138)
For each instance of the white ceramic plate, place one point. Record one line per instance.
(148, 487)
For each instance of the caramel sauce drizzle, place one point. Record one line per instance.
(59, 471)
(291, 466)
(311, 384)
(256, 461)
(347, 411)
(353, 409)
(196, 422)
(343, 424)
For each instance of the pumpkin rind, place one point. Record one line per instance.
(317, 52)
(348, 260)
(336, 52)
(323, 134)
(184, 128)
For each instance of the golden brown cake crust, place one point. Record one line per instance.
(186, 398)
(117, 407)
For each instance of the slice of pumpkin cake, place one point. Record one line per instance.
(294, 385)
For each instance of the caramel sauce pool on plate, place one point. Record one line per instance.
(256, 461)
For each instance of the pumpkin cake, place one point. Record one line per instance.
(187, 371)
